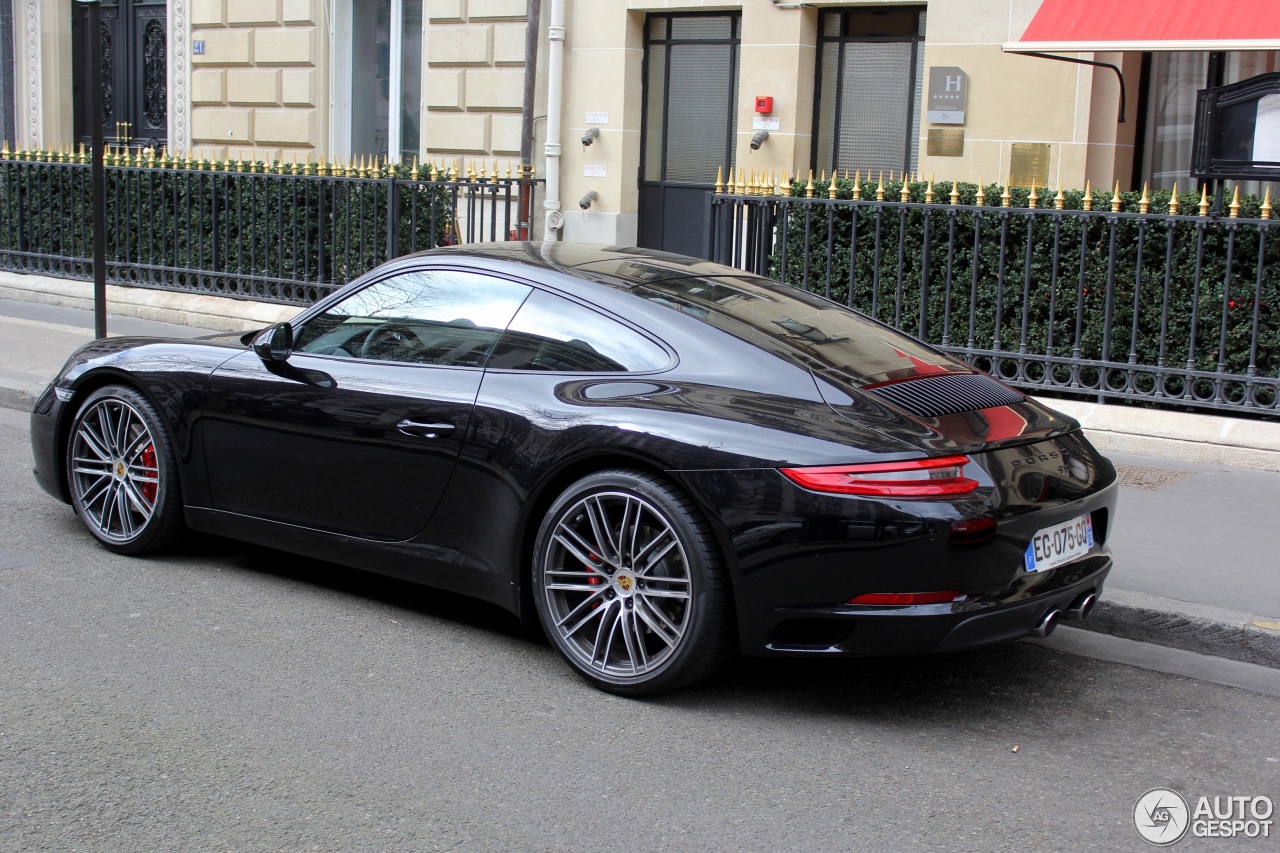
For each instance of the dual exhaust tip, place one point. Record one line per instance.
(1079, 609)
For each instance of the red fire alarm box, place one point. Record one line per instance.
(764, 103)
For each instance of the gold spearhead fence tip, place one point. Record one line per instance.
(905, 195)
(1115, 199)
(808, 188)
(719, 179)
(1204, 200)
(1032, 198)
(928, 194)
(1144, 203)
(955, 192)
(1060, 200)
(981, 197)
(1006, 200)
(1235, 203)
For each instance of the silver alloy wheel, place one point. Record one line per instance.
(115, 473)
(617, 585)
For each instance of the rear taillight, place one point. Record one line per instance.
(913, 478)
(902, 599)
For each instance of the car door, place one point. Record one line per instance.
(359, 430)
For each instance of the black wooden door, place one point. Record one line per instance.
(133, 76)
(690, 113)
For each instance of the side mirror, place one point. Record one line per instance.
(274, 344)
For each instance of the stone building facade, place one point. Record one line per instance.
(655, 94)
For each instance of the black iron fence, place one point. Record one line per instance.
(1148, 298)
(282, 232)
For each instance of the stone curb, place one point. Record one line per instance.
(219, 313)
(1183, 625)
(1184, 437)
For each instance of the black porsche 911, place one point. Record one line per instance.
(659, 459)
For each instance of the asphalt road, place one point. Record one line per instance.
(233, 698)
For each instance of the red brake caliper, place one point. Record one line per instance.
(148, 457)
(595, 579)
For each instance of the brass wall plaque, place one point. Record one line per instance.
(1029, 164)
(945, 143)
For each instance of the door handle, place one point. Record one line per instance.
(419, 429)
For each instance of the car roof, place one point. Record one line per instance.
(622, 265)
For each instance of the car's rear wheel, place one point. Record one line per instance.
(121, 469)
(629, 584)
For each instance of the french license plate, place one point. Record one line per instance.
(1055, 546)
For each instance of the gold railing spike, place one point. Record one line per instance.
(1032, 198)
(833, 189)
(1115, 199)
(413, 170)
(880, 187)
(955, 192)
(808, 188)
(981, 198)
(891, 176)
(4, 152)
(1173, 200)
(1144, 203)
(433, 172)
(1087, 202)
(857, 184)
(928, 194)
(905, 195)
(1266, 205)
(1204, 200)
(1235, 203)
(1006, 199)
(1059, 200)
(719, 180)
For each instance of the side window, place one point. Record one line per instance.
(426, 317)
(552, 333)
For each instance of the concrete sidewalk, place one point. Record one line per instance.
(1194, 565)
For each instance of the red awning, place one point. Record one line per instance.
(1087, 26)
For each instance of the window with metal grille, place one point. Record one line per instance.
(869, 85)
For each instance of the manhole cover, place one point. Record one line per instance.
(1151, 479)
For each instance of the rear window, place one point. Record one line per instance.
(800, 326)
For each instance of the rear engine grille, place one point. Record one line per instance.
(934, 396)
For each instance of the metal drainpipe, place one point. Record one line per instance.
(526, 118)
(555, 83)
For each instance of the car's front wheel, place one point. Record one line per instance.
(629, 584)
(121, 469)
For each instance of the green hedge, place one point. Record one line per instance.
(258, 232)
(902, 247)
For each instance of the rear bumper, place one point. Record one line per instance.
(922, 629)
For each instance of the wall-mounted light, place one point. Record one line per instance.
(758, 140)
(590, 136)
(586, 200)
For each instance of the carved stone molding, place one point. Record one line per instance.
(34, 118)
(179, 75)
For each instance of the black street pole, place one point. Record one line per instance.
(97, 173)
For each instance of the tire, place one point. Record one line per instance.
(122, 474)
(630, 586)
